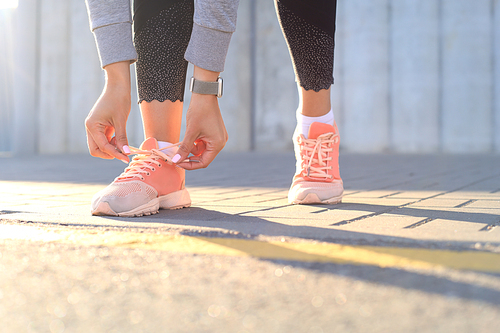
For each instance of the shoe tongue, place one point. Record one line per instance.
(316, 129)
(149, 144)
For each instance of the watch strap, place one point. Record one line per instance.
(206, 88)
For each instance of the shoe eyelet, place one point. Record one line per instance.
(147, 174)
(153, 169)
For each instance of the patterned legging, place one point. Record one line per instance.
(162, 30)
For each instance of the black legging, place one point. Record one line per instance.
(163, 29)
(309, 29)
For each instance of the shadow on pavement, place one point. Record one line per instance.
(254, 226)
(424, 213)
(249, 227)
(410, 280)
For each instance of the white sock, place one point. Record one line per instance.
(304, 122)
(169, 151)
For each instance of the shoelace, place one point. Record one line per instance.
(319, 148)
(145, 161)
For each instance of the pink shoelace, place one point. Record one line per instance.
(145, 161)
(316, 151)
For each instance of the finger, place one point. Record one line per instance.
(109, 132)
(199, 147)
(121, 139)
(94, 149)
(184, 148)
(106, 147)
(200, 162)
(100, 139)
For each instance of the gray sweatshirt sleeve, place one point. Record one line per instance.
(214, 24)
(111, 23)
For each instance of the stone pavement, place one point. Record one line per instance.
(413, 210)
(409, 200)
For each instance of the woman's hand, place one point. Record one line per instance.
(206, 134)
(109, 115)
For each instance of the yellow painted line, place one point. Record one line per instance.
(307, 252)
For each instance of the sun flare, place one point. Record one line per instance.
(8, 4)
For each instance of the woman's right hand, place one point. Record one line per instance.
(109, 115)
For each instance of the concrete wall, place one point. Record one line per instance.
(410, 76)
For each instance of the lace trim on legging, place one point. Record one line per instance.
(311, 50)
(161, 43)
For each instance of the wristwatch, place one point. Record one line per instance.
(206, 88)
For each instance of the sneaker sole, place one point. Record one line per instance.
(312, 198)
(175, 200)
(308, 193)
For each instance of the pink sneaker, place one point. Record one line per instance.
(317, 178)
(149, 183)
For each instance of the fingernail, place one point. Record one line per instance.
(176, 158)
(124, 161)
(126, 149)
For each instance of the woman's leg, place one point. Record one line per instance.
(314, 103)
(309, 28)
(162, 32)
(162, 120)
